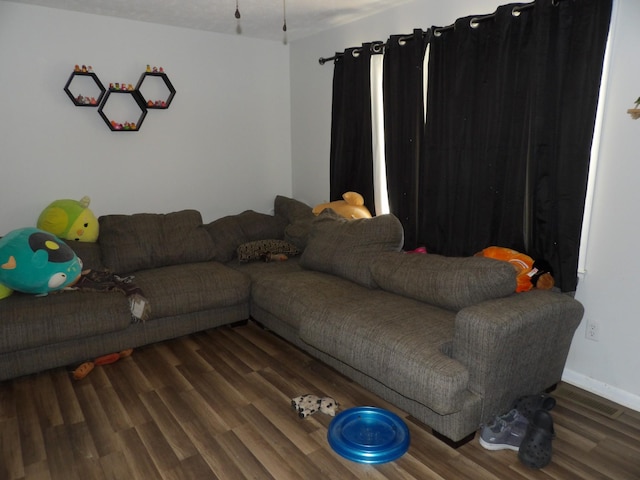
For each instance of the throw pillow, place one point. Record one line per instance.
(346, 247)
(255, 250)
(146, 240)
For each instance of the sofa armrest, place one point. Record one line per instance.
(515, 345)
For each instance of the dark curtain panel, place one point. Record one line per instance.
(570, 45)
(477, 129)
(404, 128)
(511, 110)
(351, 161)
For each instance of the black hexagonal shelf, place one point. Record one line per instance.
(84, 89)
(159, 89)
(127, 104)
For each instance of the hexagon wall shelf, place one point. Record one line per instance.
(163, 92)
(120, 125)
(84, 89)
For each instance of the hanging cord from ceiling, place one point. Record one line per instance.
(437, 31)
(284, 15)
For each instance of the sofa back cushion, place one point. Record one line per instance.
(229, 232)
(299, 217)
(346, 247)
(146, 240)
(448, 282)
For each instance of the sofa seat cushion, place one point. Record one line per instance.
(291, 296)
(147, 240)
(192, 287)
(28, 321)
(398, 341)
(258, 270)
(448, 282)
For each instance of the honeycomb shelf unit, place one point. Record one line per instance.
(85, 89)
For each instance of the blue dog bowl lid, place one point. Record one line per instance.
(368, 435)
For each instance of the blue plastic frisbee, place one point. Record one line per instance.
(368, 435)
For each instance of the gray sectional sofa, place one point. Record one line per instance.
(445, 339)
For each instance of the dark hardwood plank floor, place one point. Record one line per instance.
(216, 405)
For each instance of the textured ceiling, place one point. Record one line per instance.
(259, 18)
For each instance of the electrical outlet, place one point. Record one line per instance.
(593, 331)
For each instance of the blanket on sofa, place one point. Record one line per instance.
(105, 281)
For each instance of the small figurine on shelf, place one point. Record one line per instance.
(124, 87)
(84, 68)
(93, 101)
(76, 68)
(130, 87)
(116, 125)
(90, 69)
(148, 68)
(155, 69)
(161, 70)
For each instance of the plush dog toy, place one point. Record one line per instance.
(530, 273)
(352, 206)
(86, 368)
(308, 404)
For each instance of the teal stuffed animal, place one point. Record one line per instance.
(37, 262)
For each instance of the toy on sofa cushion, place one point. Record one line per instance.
(308, 404)
(70, 220)
(352, 206)
(530, 273)
(37, 262)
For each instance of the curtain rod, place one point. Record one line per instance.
(473, 23)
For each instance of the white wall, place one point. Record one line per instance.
(610, 366)
(222, 147)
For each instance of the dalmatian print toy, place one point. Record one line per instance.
(308, 404)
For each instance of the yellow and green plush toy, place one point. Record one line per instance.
(70, 220)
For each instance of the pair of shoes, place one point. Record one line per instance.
(535, 448)
(529, 404)
(505, 432)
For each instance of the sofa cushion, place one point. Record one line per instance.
(347, 247)
(255, 250)
(229, 232)
(89, 253)
(448, 282)
(298, 216)
(398, 341)
(145, 240)
(193, 287)
(28, 321)
(294, 295)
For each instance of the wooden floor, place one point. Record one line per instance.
(217, 405)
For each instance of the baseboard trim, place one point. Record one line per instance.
(609, 392)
